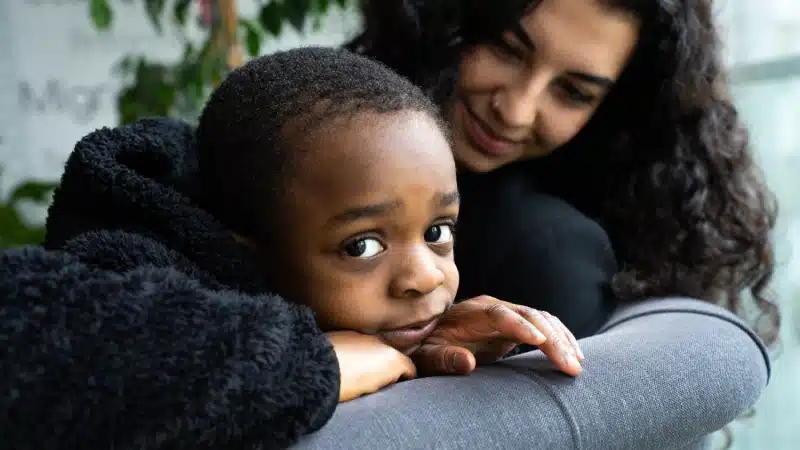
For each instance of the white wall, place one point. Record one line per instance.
(760, 30)
(55, 74)
(765, 32)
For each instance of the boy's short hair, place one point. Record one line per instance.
(243, 153)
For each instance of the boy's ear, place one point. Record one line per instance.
(243, 241)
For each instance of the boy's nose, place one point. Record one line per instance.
(417, 274)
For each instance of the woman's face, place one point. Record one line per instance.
(530, 92)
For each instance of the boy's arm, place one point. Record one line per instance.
(149, 358)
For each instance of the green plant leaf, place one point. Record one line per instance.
(271, 17)
(321, 6)
(155, 9)
(296, 12)
(151, 93)
(31, 190)
(180, 11)
(14, 230)
(189, 76)
(125, 66)
(101, 14)
(181, 87)
(252, 37)
(128, 105)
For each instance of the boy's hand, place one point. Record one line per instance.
(366, 364)
(483, 329)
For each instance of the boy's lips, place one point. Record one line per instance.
(410, 335)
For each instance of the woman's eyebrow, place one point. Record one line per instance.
(603, 82)
(523, 37)
(526, 40)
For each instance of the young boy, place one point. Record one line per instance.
(146, 322)
(340, 173)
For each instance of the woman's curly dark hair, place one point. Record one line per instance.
(668, 161)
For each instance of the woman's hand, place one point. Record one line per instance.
(366, 364)
(483, 329)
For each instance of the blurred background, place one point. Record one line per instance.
(68, 67)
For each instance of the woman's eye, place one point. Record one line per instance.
(439, 234)
(575, 96)
(507, 50)
(363, 248)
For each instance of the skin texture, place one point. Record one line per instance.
(483, 329)
(370, 244)
(369, 248)
(534, 90)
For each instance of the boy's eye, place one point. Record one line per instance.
(363, 248)
(439, 234)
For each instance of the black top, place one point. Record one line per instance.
(143, 325)
(520, 245)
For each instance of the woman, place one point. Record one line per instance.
(617, 107)
(198, 372)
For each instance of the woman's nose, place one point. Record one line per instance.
(416, 273)
(516, 105)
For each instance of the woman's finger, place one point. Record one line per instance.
(570, 337)
(494, 349)
(557, 347)
(511, 326)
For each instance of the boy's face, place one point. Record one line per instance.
(369, 227)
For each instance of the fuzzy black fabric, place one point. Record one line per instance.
(141, 324)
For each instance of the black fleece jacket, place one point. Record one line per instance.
(140, 324)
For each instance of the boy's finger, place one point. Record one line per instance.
(437, 359)
(408, 368)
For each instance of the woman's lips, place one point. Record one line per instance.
(404, 338)
(480, 138)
